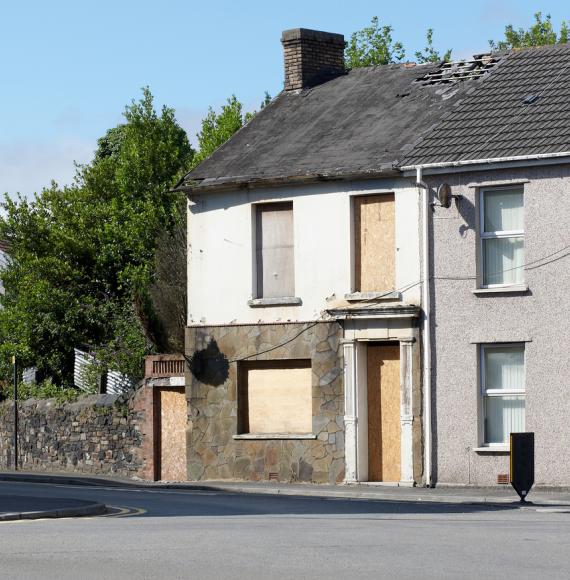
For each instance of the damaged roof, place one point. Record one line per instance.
(359, 123)
(373, 120)
(521, 109)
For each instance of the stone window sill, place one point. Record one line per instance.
(515, 289)
(261, 436)
(386, 295)
(281, 301)
(492, 449)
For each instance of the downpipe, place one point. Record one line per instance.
(423, 190)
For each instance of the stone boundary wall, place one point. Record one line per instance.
(99, 434)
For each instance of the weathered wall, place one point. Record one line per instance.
(539, 317)
(214, 453)
(221, 250)
(104, 434)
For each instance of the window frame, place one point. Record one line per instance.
(494, 235)
(242, 398)
(259, 299)
(484, 392)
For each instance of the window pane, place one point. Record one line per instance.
(503, 210)
(504, 367)
(503, 260)
(503, 416)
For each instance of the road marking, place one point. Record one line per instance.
(123, 512)
(554, 510)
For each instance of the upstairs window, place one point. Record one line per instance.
(275, 250)
(503, 391)
(502, 237)
(375, 243)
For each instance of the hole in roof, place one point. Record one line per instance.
(463, 70)
(529, 99)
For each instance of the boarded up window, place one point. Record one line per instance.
(375, 246)
(275, 397)
(274, 250)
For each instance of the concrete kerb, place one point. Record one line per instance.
(446, 495)
(93, 509)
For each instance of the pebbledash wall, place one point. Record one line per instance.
(214, 448)
(463, 320)
(103, 434)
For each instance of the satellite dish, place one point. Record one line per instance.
(444, 195)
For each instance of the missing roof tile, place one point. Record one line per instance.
(454, 72)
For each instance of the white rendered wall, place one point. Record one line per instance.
(221, 276)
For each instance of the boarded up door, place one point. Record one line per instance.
(374, 248)
(173, 418)
(383, 363)
(274, 250)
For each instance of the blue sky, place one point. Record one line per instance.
(70, 67)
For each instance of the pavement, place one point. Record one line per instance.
(16, 507)
(441, 494)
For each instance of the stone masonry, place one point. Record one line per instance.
(214, 453)
(104, 434)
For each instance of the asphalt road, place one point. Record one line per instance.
(195, 534)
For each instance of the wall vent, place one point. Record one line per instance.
(503, 478)
(273, 476)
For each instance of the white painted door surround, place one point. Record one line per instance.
(356, 409)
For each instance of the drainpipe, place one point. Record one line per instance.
(426, 335)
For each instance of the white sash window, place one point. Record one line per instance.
(502, 237)
(503, 392)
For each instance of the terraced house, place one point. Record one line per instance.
(360, 294)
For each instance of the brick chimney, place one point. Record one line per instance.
(311, 57)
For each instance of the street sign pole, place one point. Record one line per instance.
(15, 413)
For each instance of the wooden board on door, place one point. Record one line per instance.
(384, 431)
(173, 419)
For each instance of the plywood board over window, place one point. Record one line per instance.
(276, 397)
(375, 242)
(274, 250)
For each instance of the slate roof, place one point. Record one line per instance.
(521, 108)
(357, 124)
(374, 120)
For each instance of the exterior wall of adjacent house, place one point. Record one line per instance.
(463, 320)
(225, 333)
(221, 249)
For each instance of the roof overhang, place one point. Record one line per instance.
(214, 185)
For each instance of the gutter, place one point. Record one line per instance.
(485, 161)
(426, 334)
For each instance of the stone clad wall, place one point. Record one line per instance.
(213, 453)
(104, 434)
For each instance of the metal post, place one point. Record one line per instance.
(15, 413)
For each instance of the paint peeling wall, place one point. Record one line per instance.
(461, 319)
(222, 253)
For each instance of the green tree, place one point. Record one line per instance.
(83, 257)
(429, 53)
(538, 34)
(373, 45)
(217, 128)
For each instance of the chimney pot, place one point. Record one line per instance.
(311, 57)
